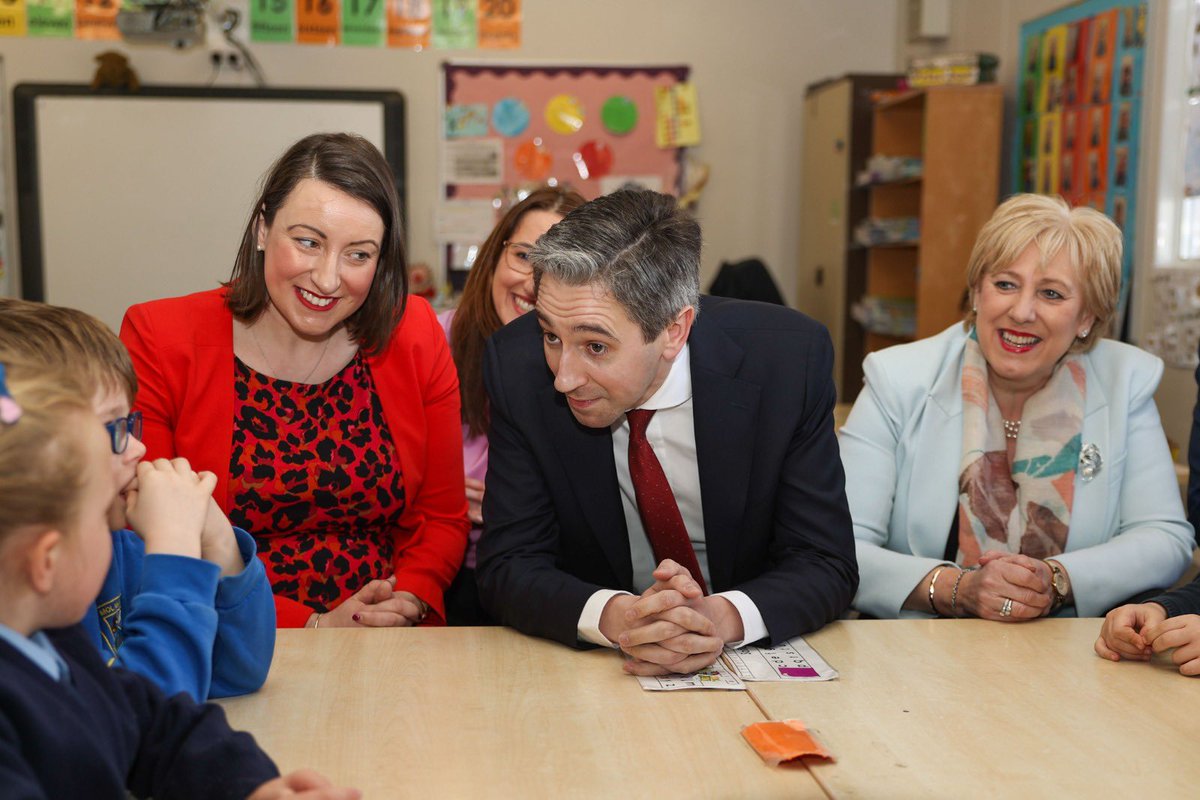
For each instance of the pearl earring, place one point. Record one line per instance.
(1084, 333)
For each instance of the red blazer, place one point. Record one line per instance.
(182, 350)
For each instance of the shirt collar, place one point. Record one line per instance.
(38, 649)
(677, 388)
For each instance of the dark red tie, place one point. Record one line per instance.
(656, 503)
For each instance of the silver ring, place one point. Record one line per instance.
(1006, 609)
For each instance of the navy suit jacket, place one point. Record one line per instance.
(776, 522)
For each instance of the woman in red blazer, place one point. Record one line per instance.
(326, 404)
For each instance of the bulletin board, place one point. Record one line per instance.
(508, 128)
(1079, 101)
(124, 198)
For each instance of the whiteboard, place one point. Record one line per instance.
(126, 198)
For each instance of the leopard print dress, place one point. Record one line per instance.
(315, 478)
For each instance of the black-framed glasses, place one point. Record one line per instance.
(122, 428)
(519, 261)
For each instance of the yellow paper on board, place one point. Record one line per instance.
(678, 123)
(13, 19)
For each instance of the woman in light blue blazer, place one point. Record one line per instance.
(1014, 466)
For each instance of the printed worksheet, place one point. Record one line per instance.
(717, 676)
(794, 660)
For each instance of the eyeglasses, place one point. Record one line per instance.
(122, 428)
(518, 257)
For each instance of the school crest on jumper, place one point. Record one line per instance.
(110, 625)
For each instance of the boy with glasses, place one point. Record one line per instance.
(186, 601)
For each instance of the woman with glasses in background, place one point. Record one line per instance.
(499, 289)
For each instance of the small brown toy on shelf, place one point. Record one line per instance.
(114, 72)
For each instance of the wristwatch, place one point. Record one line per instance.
(1059, 583)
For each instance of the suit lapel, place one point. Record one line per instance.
(586, 456)
(725, 415)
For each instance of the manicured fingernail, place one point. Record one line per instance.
(355, 618)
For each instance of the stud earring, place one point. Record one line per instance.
(260, 248)
(1084, 333)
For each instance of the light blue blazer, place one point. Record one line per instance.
(902, 445)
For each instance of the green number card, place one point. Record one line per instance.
(271, 20)
(364, 22)
(51, 18)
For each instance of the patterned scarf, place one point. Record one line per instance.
(1025, 508)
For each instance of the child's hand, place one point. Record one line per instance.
(169, 506)
(217, 542)
(1181, 633)
(303, 784)
(1123, 634)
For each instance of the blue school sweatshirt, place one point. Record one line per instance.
(175, 620)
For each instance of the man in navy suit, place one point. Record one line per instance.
(740, 402)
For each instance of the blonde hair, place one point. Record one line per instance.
(67, 340)
(1091, 240)
(42, 453)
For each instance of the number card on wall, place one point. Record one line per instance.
(499, 24)
(411, 24)
(272, 20)
(96, 19)
(317, 21)
(364, 23)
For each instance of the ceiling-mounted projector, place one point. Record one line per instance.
(179, 23)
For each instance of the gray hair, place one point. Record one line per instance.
(636, 244)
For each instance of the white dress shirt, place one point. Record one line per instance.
(672, 435)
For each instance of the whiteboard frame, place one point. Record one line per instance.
(29, 189)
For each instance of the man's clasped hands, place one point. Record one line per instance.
(672, 627)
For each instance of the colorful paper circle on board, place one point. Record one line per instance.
(532, 160)
(564, 114)
(619, 115)
(594, 160)
(510, 117)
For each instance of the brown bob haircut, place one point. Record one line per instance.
(353, 165)
(476, 318)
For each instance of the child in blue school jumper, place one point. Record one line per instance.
(185, 604)
(70, 726)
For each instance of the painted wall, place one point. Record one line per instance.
(751, 63)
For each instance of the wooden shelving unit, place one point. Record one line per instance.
(837, 142)
(956, 132)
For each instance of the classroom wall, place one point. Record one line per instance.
(994, 27)
(750, 61)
